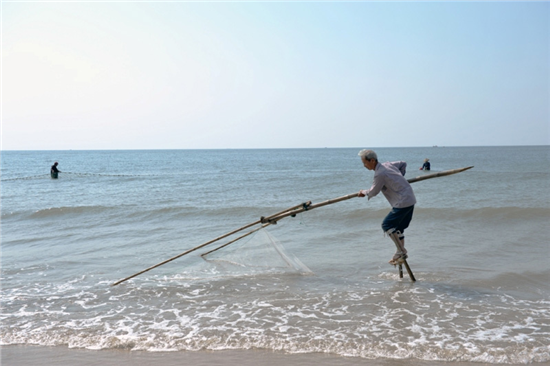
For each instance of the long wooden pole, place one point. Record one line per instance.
(303, 208)
(438, 174)
(352, 195)
(261, 220)
(239, 238)
(275, 218)
(289, 212)
(313, 206)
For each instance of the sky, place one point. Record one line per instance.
(218, 75)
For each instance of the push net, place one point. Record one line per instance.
(259, 252)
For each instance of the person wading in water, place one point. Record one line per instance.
(54, 170)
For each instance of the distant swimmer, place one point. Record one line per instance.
(426, 165)
(54, 170)
(389, 179)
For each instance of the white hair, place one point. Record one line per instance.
(368, 154)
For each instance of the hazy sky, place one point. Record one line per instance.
(192, 75)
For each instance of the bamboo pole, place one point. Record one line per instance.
(239, 238)
(293, 211)
(352, 195)
(261, 220)
(438, 174)
(313, 206)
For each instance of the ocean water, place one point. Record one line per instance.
(478, 246)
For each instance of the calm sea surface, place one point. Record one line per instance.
(478, 245)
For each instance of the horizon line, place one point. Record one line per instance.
(279, 148)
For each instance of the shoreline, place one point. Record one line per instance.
(22, 355)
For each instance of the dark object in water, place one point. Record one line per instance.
(54, 175)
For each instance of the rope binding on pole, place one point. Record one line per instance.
(305, 207)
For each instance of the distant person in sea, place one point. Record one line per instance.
(389, 178)
(426, 165)
(54, 170)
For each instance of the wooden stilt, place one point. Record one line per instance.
(399, 247)
(408, 268)
(411, 275)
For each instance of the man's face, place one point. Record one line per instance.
(369, 164)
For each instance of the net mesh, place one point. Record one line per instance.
(259, 252)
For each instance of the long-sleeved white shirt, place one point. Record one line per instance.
(389, 178)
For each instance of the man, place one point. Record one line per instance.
(54, 170)
(426, 165)
(389, 178)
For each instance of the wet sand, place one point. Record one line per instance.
(63, 356)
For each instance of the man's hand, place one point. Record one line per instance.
(362, 193)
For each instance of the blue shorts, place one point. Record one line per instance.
(398, 218)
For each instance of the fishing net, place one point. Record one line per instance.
(259, 252)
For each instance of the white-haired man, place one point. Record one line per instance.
(389, 178)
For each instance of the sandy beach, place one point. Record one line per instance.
(63, 356)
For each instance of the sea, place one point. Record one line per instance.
(318, 283)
